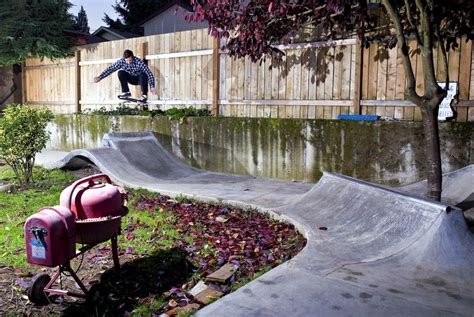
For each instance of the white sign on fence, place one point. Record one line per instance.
(445, 111)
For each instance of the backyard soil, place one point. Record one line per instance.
(218, 235)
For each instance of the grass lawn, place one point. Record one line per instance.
(15, 207)
(167, 246)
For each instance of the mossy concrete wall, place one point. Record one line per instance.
(383, 152)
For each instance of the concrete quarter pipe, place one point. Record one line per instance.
(384, 252)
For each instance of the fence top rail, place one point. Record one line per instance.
(180, 54)
(316, 44)
(101, 61)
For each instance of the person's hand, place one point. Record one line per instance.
(153, 90)
(96, 79)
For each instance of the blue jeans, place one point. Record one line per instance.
(125, 79)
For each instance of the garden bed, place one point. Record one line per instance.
(168, 248)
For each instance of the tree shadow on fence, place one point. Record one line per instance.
(317, 61)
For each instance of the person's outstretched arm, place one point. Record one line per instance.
(109, 70)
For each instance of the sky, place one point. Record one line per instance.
(95, 10)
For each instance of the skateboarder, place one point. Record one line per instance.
(132, 70)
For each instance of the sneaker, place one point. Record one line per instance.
(124, 95)
(142, 99)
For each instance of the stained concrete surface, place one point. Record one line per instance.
(384, 251)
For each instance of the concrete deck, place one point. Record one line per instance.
(385, 252)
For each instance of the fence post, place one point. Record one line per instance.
(215, 77)
(23, 83)
(77, 68)
(144, 51)
(357, 78)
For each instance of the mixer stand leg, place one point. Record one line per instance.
(115, 253)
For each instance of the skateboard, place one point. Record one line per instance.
(136, 102)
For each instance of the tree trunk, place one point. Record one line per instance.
(432, 152)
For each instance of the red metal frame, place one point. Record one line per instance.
(66, 267)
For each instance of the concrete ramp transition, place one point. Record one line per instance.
(458, 186)
(370, 250)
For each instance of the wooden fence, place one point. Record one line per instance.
(315, 80)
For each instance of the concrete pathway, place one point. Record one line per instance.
(384, 251)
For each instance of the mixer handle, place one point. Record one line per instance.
(89, 179)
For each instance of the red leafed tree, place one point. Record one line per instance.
(252, 27)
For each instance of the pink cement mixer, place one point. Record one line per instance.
(89, 213)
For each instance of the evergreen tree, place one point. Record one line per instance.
(132, 12)
(82, 22)
(34, 28)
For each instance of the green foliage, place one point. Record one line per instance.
(148, 309)
(121, 110)
(34, 29)
(179, 114)
(16, 206)
(132, 13)
(81, 22)
(22, 135)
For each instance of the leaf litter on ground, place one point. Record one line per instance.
(167, 246)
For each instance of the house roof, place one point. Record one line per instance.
(182, 3)
(115, 32)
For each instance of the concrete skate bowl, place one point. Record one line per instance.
(363, 222)
(360, 236)
(370, 251)
(139, 160)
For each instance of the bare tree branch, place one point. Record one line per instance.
(411, 82)
(431, 86)
(412, 22)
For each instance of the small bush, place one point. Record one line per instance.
(178, 114)
(22, 135)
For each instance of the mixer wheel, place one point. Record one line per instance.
(36, 292)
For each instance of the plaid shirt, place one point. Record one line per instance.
(134, 69)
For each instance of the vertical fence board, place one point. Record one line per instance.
(348, 71)
(255, 72)
(471, 89)
(465, 69)
(453, 62)
(461, 114)
(400, 81)
(372, 72)
(304, 86)
(263, 80)
(311, 60)
(319, 112)
(391, 73)
(228, 77)
(281, 81)
(338, 68)
(470, 114)
(247, 78)
(365, 73)
(382, 62)
(289, 78)
(241, 78)
(328, 83)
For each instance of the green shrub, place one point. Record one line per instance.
(178, 114)
(22, 135)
